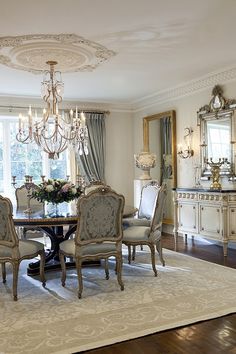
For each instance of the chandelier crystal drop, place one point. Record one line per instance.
(56, 130)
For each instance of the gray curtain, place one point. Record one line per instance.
(166, 148)
(92, 166)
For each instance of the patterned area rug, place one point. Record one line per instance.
(54, 320)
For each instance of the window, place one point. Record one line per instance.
(17, 159)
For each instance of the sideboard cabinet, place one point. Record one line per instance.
(206, 213)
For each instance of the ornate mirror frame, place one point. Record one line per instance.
(221, 112)
(146, 147)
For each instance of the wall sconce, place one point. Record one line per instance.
(187, 151)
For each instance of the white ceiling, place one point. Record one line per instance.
(159, 44)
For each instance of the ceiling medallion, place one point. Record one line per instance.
(72, 53)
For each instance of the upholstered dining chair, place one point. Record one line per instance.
(13, 250)
(98, 235)
(22, 203)
(148, 235)
(146, 208)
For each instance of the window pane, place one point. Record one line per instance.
(58, 167)
(26, 159)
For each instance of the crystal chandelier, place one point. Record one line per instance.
(56, 130)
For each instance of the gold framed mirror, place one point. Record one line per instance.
(159, 137)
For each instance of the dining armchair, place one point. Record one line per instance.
(148, 235)
(13, 250)
(23, 203)
(98, 235)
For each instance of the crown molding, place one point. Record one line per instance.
(12, 104)
(185, 89)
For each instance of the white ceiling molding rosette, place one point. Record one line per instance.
(72, 53)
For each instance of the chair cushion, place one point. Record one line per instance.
(136, 233)
(26, 248)
(91, 250)
(127, 222)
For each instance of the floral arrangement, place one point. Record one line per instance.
(56, 191)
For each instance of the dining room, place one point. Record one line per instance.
(116, 97)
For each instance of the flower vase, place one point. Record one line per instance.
(53, 210)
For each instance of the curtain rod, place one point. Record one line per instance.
(10, 108)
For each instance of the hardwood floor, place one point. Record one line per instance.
(216, 336)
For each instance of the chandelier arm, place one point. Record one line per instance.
(27, 140)
(46, 146)
(56, 131)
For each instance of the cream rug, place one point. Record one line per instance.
(54, 320)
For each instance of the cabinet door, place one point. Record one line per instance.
(188, 217)
(210, 221)
(232, 223)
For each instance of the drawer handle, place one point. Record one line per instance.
(232, 210)
(202, 208)
(194, 227)
(202, 228)
(218, 210)
(232, 232)
(181, 224)
(218, 231)
(194, 208)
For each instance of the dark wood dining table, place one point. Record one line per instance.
(58, 228)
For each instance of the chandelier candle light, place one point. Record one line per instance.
(55, 131)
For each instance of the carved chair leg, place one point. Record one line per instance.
(186, 239)
(106, 268)
(79, 274)
(42, 265)
(159, 250)
(152, 248)
(4, 274)
(133, 253)
(24, 231)
(63, 268)
(129, 254)
(15, 266)
(119, 271)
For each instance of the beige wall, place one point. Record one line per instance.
(119, 154)
(186, 116)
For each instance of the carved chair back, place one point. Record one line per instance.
(148, 199)
(100, 217)
(8, 235)
(93, 185)
(156, 223)
(22, 199)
